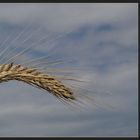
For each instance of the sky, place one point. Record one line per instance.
(98, 42)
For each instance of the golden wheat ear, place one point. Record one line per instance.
(35, 78)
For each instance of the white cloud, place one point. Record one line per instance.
(61, 17)
(27, 111)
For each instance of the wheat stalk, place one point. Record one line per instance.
(36, 78)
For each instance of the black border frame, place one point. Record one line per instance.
(85, 1)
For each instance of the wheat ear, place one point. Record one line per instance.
(34, 77)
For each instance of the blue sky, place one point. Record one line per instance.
(100, 41)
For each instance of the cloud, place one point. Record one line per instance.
(103, 44)
(59, 17)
